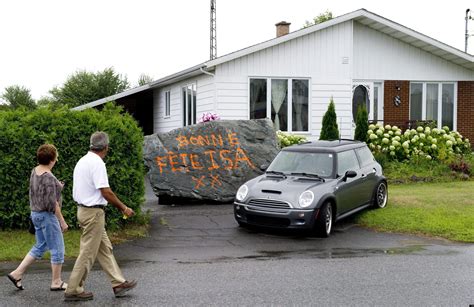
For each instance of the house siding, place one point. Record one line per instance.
(317, 57)
(205, 89)
(394, 115)
(380, 56)
(465, 123)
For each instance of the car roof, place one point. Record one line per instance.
(326, 146)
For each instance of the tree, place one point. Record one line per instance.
(319, 19)
(18, 97)
(362, 124)
(330, 131)
(144, 79)
(83, 87)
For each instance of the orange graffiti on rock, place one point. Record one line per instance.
(221, 153)
(199, 182)
(215, 181)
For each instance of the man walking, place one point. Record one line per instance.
(91, 191)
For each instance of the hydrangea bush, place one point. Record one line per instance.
(430, 143)
(208, 116)
(287, 139)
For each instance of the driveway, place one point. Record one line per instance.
(197, 255)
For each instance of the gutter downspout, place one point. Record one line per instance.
(206, 72)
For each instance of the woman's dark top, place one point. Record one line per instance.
(45, 191)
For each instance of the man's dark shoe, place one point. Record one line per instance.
(121, 289)
(84, 296)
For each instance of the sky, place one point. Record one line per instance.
(44, 42)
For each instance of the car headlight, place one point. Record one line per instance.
(242, 193)
(306, 199)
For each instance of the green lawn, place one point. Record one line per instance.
(434, 209)
(16, 243)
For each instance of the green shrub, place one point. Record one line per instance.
(286, 139)
(330, 131)
(22, 132)
(362, 124)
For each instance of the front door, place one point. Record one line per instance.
(369, 94)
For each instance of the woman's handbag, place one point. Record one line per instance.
(31, 227)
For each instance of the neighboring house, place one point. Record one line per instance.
(357, 58)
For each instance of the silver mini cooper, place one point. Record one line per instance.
(311, 186)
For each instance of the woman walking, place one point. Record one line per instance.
(45, 205)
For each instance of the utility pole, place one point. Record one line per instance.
(213, 40)
(466, 36)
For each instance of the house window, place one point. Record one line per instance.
(167, 104)
(189, 104)
(433, 101)
(285, 101)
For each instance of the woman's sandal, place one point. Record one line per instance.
(15, 282)
(62, 287)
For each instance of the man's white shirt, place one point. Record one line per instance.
(90, 174)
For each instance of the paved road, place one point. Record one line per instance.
(198, 256)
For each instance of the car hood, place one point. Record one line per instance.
(285, 189)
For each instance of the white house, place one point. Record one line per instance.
(360, 57)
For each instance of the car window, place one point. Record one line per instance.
(347, 160)
(365, 156)
(303, 162)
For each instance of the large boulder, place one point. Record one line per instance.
(208, 161)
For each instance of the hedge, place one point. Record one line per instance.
(22, 132)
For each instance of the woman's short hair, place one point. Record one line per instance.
(46, 153)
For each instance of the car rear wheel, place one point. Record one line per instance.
(324, 220)
(381, 195)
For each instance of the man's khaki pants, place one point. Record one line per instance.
(94, 244)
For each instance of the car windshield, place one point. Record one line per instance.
(303, 162)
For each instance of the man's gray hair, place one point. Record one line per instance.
(99, 140)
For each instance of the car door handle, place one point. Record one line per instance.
(363, 175)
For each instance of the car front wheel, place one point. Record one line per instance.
(324, 220)
(381, 195)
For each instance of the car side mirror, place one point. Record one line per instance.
(349, 174)
(264, 167)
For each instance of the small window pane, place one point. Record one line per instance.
(416, 97)
(300, 93)
(376, 102)
(448, 105)
(185, 107)
(347, 161)
(432, 102)
(365, 156)
(280, 104)
(167, 103)
(189, 105)
(194, 103)
(258, 98)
